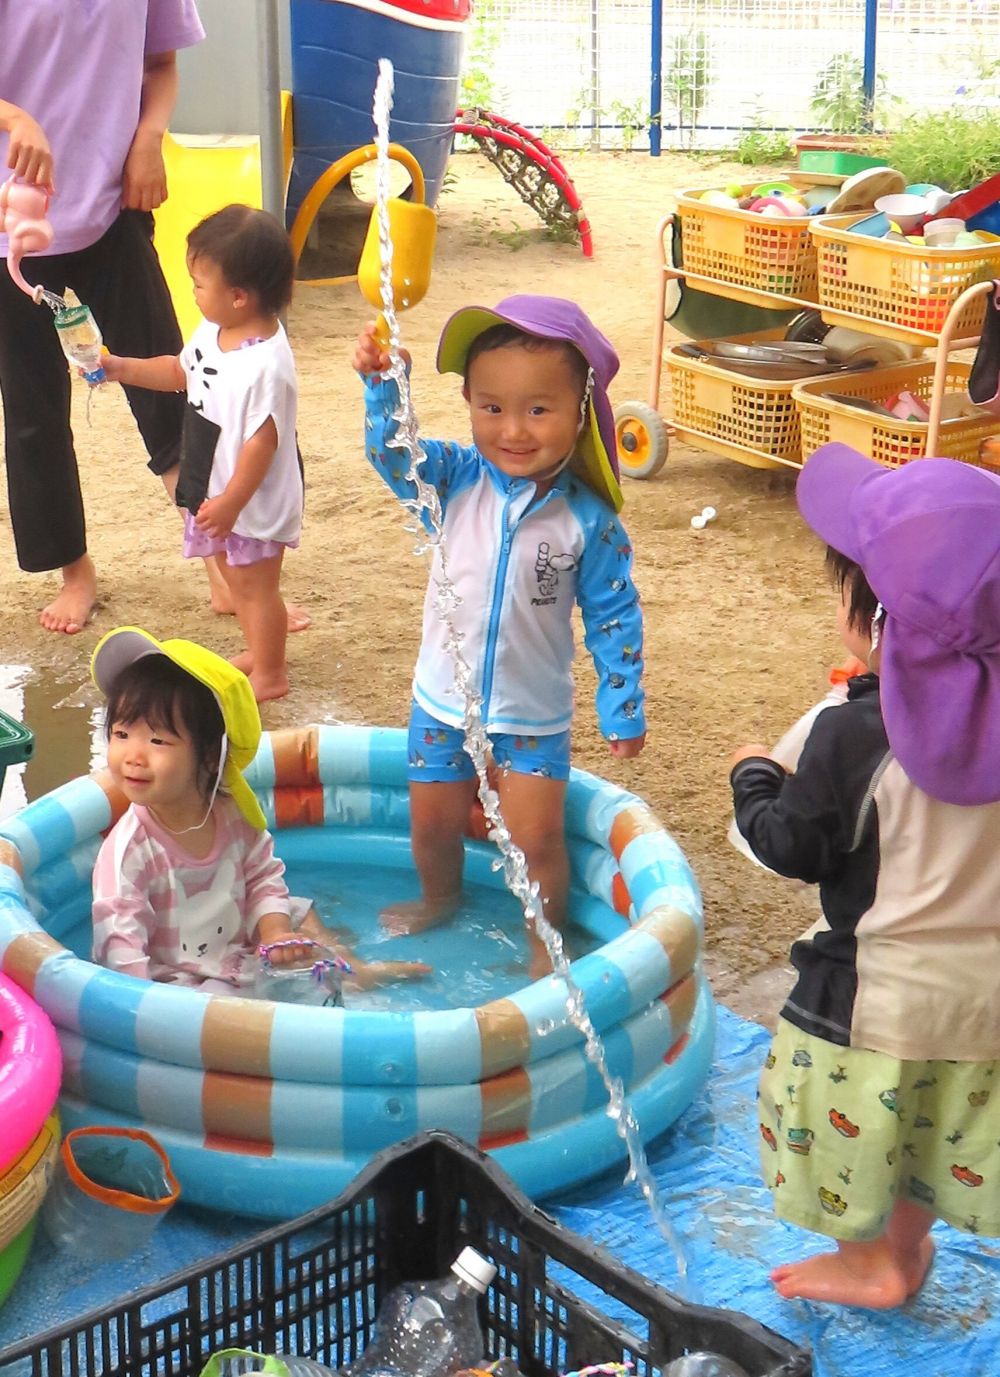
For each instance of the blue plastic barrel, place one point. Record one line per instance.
(336, 46)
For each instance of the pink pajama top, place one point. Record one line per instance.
(162, 914)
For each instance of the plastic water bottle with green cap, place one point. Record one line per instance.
(81, 341)
(430, 1328)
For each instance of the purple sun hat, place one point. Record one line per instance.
(551, 317)
(927, 536)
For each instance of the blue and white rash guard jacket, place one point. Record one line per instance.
(518, 566)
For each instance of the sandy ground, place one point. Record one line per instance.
(739, 620)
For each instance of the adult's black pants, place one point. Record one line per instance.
(120, 279)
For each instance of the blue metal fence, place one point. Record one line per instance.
(599, 72)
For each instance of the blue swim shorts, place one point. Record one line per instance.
(437, 752)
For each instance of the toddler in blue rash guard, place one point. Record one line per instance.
(529, 513)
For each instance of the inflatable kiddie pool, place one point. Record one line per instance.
(30, 1065)
(270, 1109)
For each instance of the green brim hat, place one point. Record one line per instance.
(548, 317)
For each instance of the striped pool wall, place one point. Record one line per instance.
(254, 1092)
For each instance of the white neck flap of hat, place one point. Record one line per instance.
(195, 827)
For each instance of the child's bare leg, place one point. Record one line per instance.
(260, 611)
(877, 1275)
(439, 813)
(533, 808)
(297, 618)
(219, 596)
(367, 975)
(908, 1231)
(364, 975)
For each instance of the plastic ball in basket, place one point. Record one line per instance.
(315, 980)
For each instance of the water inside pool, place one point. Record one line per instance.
(478, 955)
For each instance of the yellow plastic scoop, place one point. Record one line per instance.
(413, 230)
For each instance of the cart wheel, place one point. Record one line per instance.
(642, 440)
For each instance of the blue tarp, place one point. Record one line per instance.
(706, 1170)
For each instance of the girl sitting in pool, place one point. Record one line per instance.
(186, 884)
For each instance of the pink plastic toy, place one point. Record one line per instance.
(778, 205)
(22, 217)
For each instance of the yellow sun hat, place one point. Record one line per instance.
(229, 685)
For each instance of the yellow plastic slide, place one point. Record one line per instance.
(205, 173)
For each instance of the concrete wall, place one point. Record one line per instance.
(219, 89)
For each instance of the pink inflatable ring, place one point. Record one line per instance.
(30, 1070)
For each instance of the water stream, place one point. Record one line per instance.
(425, 508)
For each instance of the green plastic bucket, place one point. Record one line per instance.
(833, 154)
(17, 744)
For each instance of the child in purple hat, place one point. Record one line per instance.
(529, 515)
(875, 1107)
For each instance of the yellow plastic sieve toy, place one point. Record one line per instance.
(413, 230)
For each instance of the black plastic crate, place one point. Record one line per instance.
(313, 1287)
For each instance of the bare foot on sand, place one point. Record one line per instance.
(72, 607)
(266, 688)
(417, 915)
(868, 1275)
(298, 618)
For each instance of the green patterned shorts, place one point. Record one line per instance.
(845, 1132)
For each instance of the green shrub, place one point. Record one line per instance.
(758, 145)
(686, 79)
(632, 118)
(953, 149)
(838, 98)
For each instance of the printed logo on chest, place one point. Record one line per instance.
(548, 567)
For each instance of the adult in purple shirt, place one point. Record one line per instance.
(86, 90)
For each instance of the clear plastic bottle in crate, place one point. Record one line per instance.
(430, 1328)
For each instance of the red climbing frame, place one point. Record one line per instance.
(531, 168)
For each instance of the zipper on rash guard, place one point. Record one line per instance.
(499, 582)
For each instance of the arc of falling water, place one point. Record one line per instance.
(426, 508)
